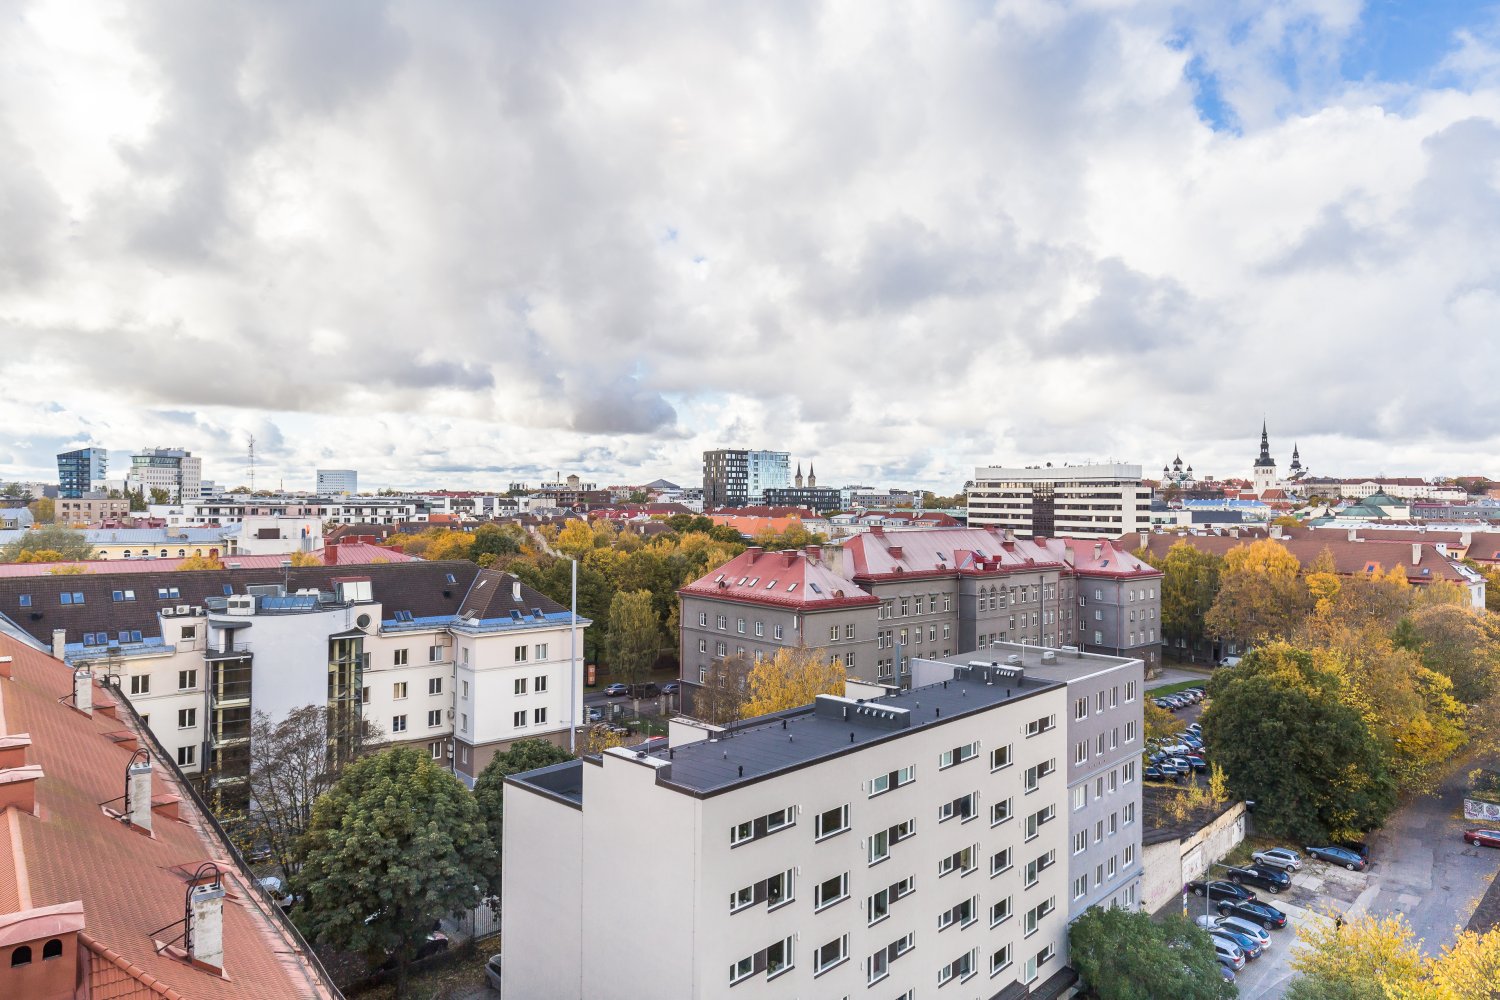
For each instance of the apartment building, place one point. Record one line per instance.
(81, 471)
(902, 846)
(443, 655)
(734, 477)
(233, 509)
(173, 470)
(336, 482)
(882, 597)
(1104, 730)
(1074, 501)
(89, 509)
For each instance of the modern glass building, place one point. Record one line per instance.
(78, 471)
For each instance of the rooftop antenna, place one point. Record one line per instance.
(252, 463)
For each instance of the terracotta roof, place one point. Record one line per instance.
(1349, 558)
(791, 579)
(751, 525)
(130, 884)
(880, 554)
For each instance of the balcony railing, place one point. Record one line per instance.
(239, 650)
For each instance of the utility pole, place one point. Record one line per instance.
(573, 666)
(252, 464)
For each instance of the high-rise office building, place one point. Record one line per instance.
(81, 471)
(337, 482)
(1073, 501)
(734, 477)
(170, 469)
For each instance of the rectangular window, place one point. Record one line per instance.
(1130, 732)
(762, 825)
(364, 695)
(434, 718)
(1080, 841)
(777, 631)
(1129, 813)
(520, 654)
(539, 716)
(960, 861)
(1080, 797)
(1129, 692)
(1038, 819)
(1080, 886)
(518, 686)
(541, 651)
(740, 627)
(831, 954)
(703, 619)
(434, 654)
(961, 807)
(518, 719)
(832, 821)
(398, 690)
(539, 684)
(187, 679)
(187, 718)
(187, 756)
(1000, 961)
(1000, 912)
(1081, 752)
(398, 724)
(466, 690)
(1000, 812)
(140, 683)
(1001, 757)
(880, 846)
(1042, 725)
(434, 685)
(963, 914)
(958, 755)
(1081, 708)
(1001, 861)
(463, 722)
(831, 891)
(400, 657)
(960, 968)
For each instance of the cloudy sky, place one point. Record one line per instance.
(459, 243)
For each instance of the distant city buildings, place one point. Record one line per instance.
(81, 471)
(736, 477)
(175, 471)
(1075, 501)
(337, 482)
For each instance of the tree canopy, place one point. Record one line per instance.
(397, 843)
(66, 543)
(1125, 955)
(1379, 958)
(795, 676)
(634, 635)
(489, 793)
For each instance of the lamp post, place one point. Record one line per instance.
(573, 665)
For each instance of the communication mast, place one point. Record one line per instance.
(252, 463)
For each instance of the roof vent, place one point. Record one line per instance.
(204, 919)
(83, 690)
(138, 790)
(515, 591)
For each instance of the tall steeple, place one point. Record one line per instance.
(812, 477)
(799, 475)
(1265, 461)
(1296, 459)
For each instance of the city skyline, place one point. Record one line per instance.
(460, 247)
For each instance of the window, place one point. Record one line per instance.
(1080, 886)
(1081, 752)
(520, 654)
(1081, 708)
(1129, 813)
(1129, 692)
(398, 690)
(1042, 725)
(463, 722)
(398, 724)
(187, 679)
(1129, 856)
(1127, 773)
(740, 626)
(833, 633)
(1035, 867)
(776, 630)
(778, 957)
(434, 718)
(436, 748)
(1000, 912)
(1000, 812)
(140, 683)
(880, 846)
(539, 683)
(723, 622)
(1001, 757)
(703, 619)
(1080, 841)
(903, 830)
(960, 861)
(1000, 862)
(400, 657)
(831, 954)
(963, 914)
(1037, 772)
(958, 755)
(1036, 913)
(541, 651)
(539, 716)
(894, 779)
(188, 632)
(962, 807)
(960, 968)
(434, 685)
(518, 719)
(1130, 732)
(187, 756)
(1113, 870)
(702, 645)
(1080, 797)
(364, 695)
(434, 654)
(878, 906)
(762, 826)
(1038, 819)
(72, 598)
(848, 631)
(466, 689)
(187, 718)
(519, 685)
(1000, 961)
(831, 891)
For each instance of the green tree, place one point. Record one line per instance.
(160, 496)
(1460, 644)
(634, 635)
(137, 500)
(67, 543)
(495, 540)
(489, 792)
(396, 844)
(1125, 955)
(1190, 582)
(1288, 742)
(43, 510)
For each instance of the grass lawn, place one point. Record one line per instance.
(1157, 692)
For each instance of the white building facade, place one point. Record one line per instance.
(336, 482)
(1078, 501)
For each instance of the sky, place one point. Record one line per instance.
(459, 244)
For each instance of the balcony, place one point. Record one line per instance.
(237, 651)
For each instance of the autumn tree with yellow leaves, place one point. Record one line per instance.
(1379, 958)
(794, 676)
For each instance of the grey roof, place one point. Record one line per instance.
(811, 734)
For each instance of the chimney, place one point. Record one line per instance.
(754, 552)
(206, 925)
(895, 551)
(83, 690)
(1098, 550)
(1353, 534)
(1465, 538)
(814, 551)
(877, 530)
(59, 643)
(13, 750)
(1145, 539)
(1234, 532)
(1275, 531)
(138, 780)
(1416, 553)
(515, 591)
(7, 671)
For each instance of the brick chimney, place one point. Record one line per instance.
(814, 552)
(754, 552)
(138, 777)
(206, 925)
(18, 787)
(83, 690)
(13, 750)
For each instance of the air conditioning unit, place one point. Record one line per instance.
(167, 612)
(450, 749)
(450, 715)
(197, 609)
(183, 609)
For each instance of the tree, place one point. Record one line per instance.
(1354, 960)
(397, 843)
(1286, 740)
(795, 676)
(720, 698)
(43, 510)
(1125, 955)
(201, 562)
(1460, 644)
(494, 540)
(489, 792)
(305, 559)
(1159, 722)
(1261, 596)
(67, 543)
(575, 538)
(290, 767)
(1190, 582)
(160, 496)
(1466, 969)
(137, 500)
(634, 635)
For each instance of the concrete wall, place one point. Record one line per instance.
(1171, 864)
(543, 861)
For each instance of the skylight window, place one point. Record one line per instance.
(769, 586)
(815, 588)
(450, 578)
(791, 587)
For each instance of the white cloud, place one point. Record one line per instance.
(456, 243)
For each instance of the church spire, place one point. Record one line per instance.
(799, 475)
(1264, 461)
(812, 477)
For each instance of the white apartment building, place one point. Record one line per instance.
(911, 845)
(1073, 501)
(336, 482)
(174, 470)
(232, 509)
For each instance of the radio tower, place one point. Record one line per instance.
(252, 463)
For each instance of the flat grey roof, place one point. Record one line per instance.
(797, 738)
(563, 782)
(1068, 665)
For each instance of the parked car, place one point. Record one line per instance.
(1242, 926)
(492, 973)
(1157, 774)
(1190, 763)
(1194, 728)
(647, 690)
(1230, 661)
(1227, 949)
(1483, 838)
(1226, 970)
(1219, 889)
(1254, 911)
(1354, 847)
(1280, 857)
(1269, 879)
(435, 942)
(1251, 947)
(1161, 703)
(617, 690)
(595, 713)
(671, 687)
(1337, 856)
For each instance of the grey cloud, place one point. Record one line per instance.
(1130, 313)
(1334, 240)
(621, 405)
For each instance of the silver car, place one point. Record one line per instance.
(1279, 857)
(1242, 926)
(492, 973)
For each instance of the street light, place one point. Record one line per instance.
(1208, 892)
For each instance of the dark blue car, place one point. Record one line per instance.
(1254, 911)
(1341, 856)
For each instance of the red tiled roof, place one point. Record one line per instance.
(348, 553)
(1349, 558)
(72, 850)
(792, 579)
(981, 551)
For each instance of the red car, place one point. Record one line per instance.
(1484, 838)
